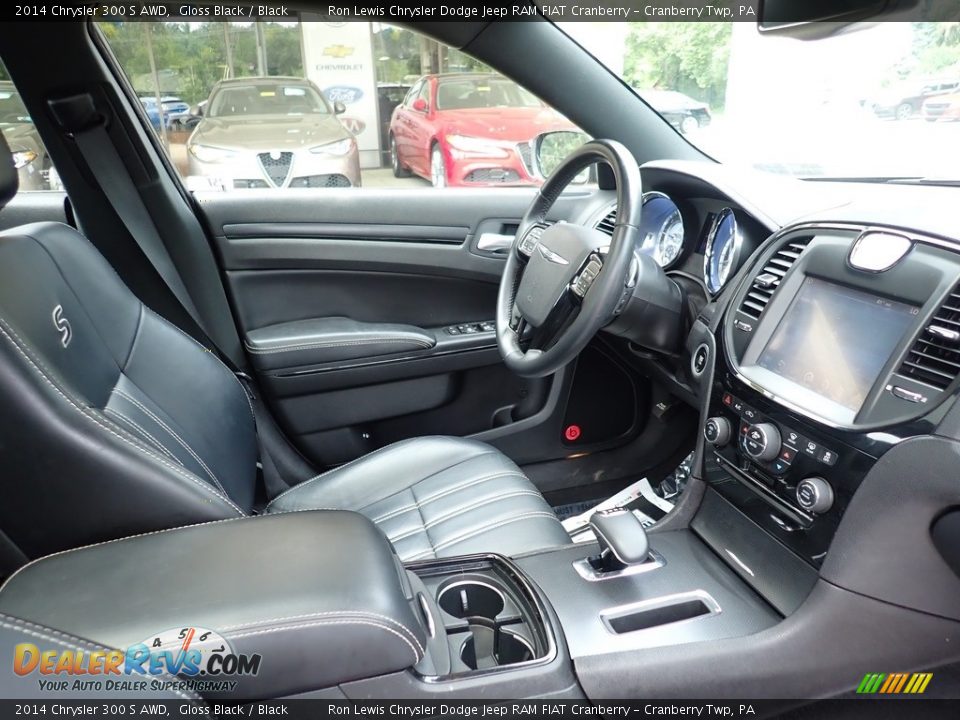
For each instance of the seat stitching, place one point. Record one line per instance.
(71, 642)
(486, 528)
(481, 503)
(138, 428)
(4, 327)
(341, 467)
(342, 343)
(423, 522)
(175, 436)
(394, 513)
(212, 354)
(470, 483)
(341, 613)
(392, 446)
(381, 626)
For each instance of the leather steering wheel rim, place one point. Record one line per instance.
(600, 300)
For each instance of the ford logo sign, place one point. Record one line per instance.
(346, 94)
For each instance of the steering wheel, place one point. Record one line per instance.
(559, 287)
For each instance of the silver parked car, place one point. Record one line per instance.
(271, 133)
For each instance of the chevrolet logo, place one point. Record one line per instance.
(338, 51)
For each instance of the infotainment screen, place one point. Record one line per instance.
(834, 340)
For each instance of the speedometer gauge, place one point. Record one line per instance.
(723, 251)
(661, 229)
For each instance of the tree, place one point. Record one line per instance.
(690, 57)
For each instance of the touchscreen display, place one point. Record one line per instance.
(834, 340)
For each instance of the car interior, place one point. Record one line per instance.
(352, 433)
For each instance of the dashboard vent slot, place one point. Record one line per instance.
(934, 357)
(609, 220)
(767, 281)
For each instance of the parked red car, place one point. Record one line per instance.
(469, 129)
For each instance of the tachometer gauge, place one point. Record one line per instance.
(661, 229)
(723, 251)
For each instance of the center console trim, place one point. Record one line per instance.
(609, 614)
(523, 583)
(589, 573)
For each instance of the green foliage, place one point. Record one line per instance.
(936, 49)
(690, 57)
(190, 58)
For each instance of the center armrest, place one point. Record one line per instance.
(317, 595)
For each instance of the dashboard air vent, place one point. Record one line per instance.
(934, 358)
(606, 225)
(765, 284)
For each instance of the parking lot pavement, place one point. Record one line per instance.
(370, 177)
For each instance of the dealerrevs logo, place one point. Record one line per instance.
(190, 653)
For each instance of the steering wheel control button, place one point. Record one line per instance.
(815, 495)
(698, 363)
(530, 241)
(717, 431)
(586, 277)
(762, 441)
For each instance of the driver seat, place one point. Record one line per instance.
(114, 422)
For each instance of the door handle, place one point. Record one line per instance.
(494, 242)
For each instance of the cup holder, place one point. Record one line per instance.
(470, 599)
(498, 647)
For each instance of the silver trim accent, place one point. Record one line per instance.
(460, 583)
(874, 251)
(708, 254)
(493, 242)
(693, 358)
(713, 608)
(585, 570)
(943, 333)
(427, 615)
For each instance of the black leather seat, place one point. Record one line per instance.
(114, 422)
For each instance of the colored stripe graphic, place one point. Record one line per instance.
(894, 683)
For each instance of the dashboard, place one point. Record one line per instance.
(825, 334)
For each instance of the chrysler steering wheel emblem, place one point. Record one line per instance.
(550, 256)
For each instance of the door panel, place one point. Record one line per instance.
(403, 262)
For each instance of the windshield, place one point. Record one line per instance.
(267, 99)
(883, 102)
(473, 93)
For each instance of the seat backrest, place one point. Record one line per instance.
(112, 420)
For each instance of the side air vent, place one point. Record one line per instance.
(934, 358)
(609, 220)
(765, 284)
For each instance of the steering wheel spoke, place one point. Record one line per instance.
(559, 319)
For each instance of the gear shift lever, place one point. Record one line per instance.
(623, 541)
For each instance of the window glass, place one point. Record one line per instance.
(315, 104)
(34, 168)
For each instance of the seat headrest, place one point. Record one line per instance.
(9, 178)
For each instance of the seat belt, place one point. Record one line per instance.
(78, 115)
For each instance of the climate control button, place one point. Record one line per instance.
(762, 441)
(815, 495)
(717, 431)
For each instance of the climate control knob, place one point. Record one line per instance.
(815, 495)
(717, 431)
(762, 441)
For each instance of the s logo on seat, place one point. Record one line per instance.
(63, 325)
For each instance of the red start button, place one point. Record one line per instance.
(572, 432)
